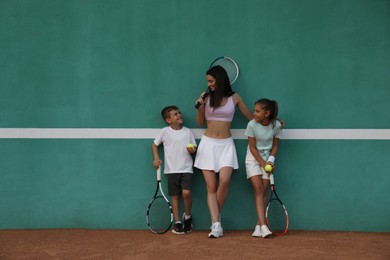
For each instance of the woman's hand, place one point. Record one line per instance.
(201, 98)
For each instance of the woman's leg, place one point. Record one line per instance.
(212, 186)
(224, 180)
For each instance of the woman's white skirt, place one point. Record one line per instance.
(213, 154)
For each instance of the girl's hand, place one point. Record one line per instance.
(263, 164)
(272, 165)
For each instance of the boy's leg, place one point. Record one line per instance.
(187, 197)
(186, 184)
(176, 208)
(186, 187)
(174, 191)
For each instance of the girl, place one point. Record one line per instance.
(216, 150)
(263, 137)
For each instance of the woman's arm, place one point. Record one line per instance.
(242, 106)
(200, 112)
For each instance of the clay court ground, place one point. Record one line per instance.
(142, 244)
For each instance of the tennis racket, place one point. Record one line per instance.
(276, 214)
(231, 69)
(159, 215)
(229, 65)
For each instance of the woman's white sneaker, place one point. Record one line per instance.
(216, 230)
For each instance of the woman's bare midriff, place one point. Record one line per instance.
(218, 129)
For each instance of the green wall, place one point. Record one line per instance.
(115, 64)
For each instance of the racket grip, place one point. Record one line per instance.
(159, 174)
(271, 179)
(203, 97)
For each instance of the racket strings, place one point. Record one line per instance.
(277, 218)
(159, 215)
(229, 66)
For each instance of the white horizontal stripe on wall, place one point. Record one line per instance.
(151, 133)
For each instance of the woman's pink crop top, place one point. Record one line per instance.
(223, 113)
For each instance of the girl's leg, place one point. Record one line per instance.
(212, 186)
(266, 185)
(224, 180)
(257, 184)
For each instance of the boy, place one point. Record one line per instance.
(178, 165)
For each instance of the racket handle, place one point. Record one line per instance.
(197, 105)
(159, 174)
(203, 97)
(271, 179)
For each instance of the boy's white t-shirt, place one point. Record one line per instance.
(176, 157)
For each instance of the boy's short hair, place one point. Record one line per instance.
(166, 110)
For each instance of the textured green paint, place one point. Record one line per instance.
(115, 64)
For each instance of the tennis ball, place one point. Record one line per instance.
(268, 168)
(190, 146)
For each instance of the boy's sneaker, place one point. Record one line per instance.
(216, 230)
(178, 229)
(187, 224)
(257, 232)
(265, 232)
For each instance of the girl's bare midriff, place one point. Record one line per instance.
(218, 129)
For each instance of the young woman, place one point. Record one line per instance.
(216, 150)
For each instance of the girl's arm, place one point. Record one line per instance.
(242, 106)
(274, 152)
(254, 152)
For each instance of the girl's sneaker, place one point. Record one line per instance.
(262, 231)
(257, 232)
(265, 232)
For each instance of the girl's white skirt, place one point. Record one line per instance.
(214, 154)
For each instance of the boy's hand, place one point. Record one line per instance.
(191, 148)
(157, 163)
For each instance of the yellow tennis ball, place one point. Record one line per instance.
(268, 168)
(190, 146)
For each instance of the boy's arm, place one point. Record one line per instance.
(156, 161)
